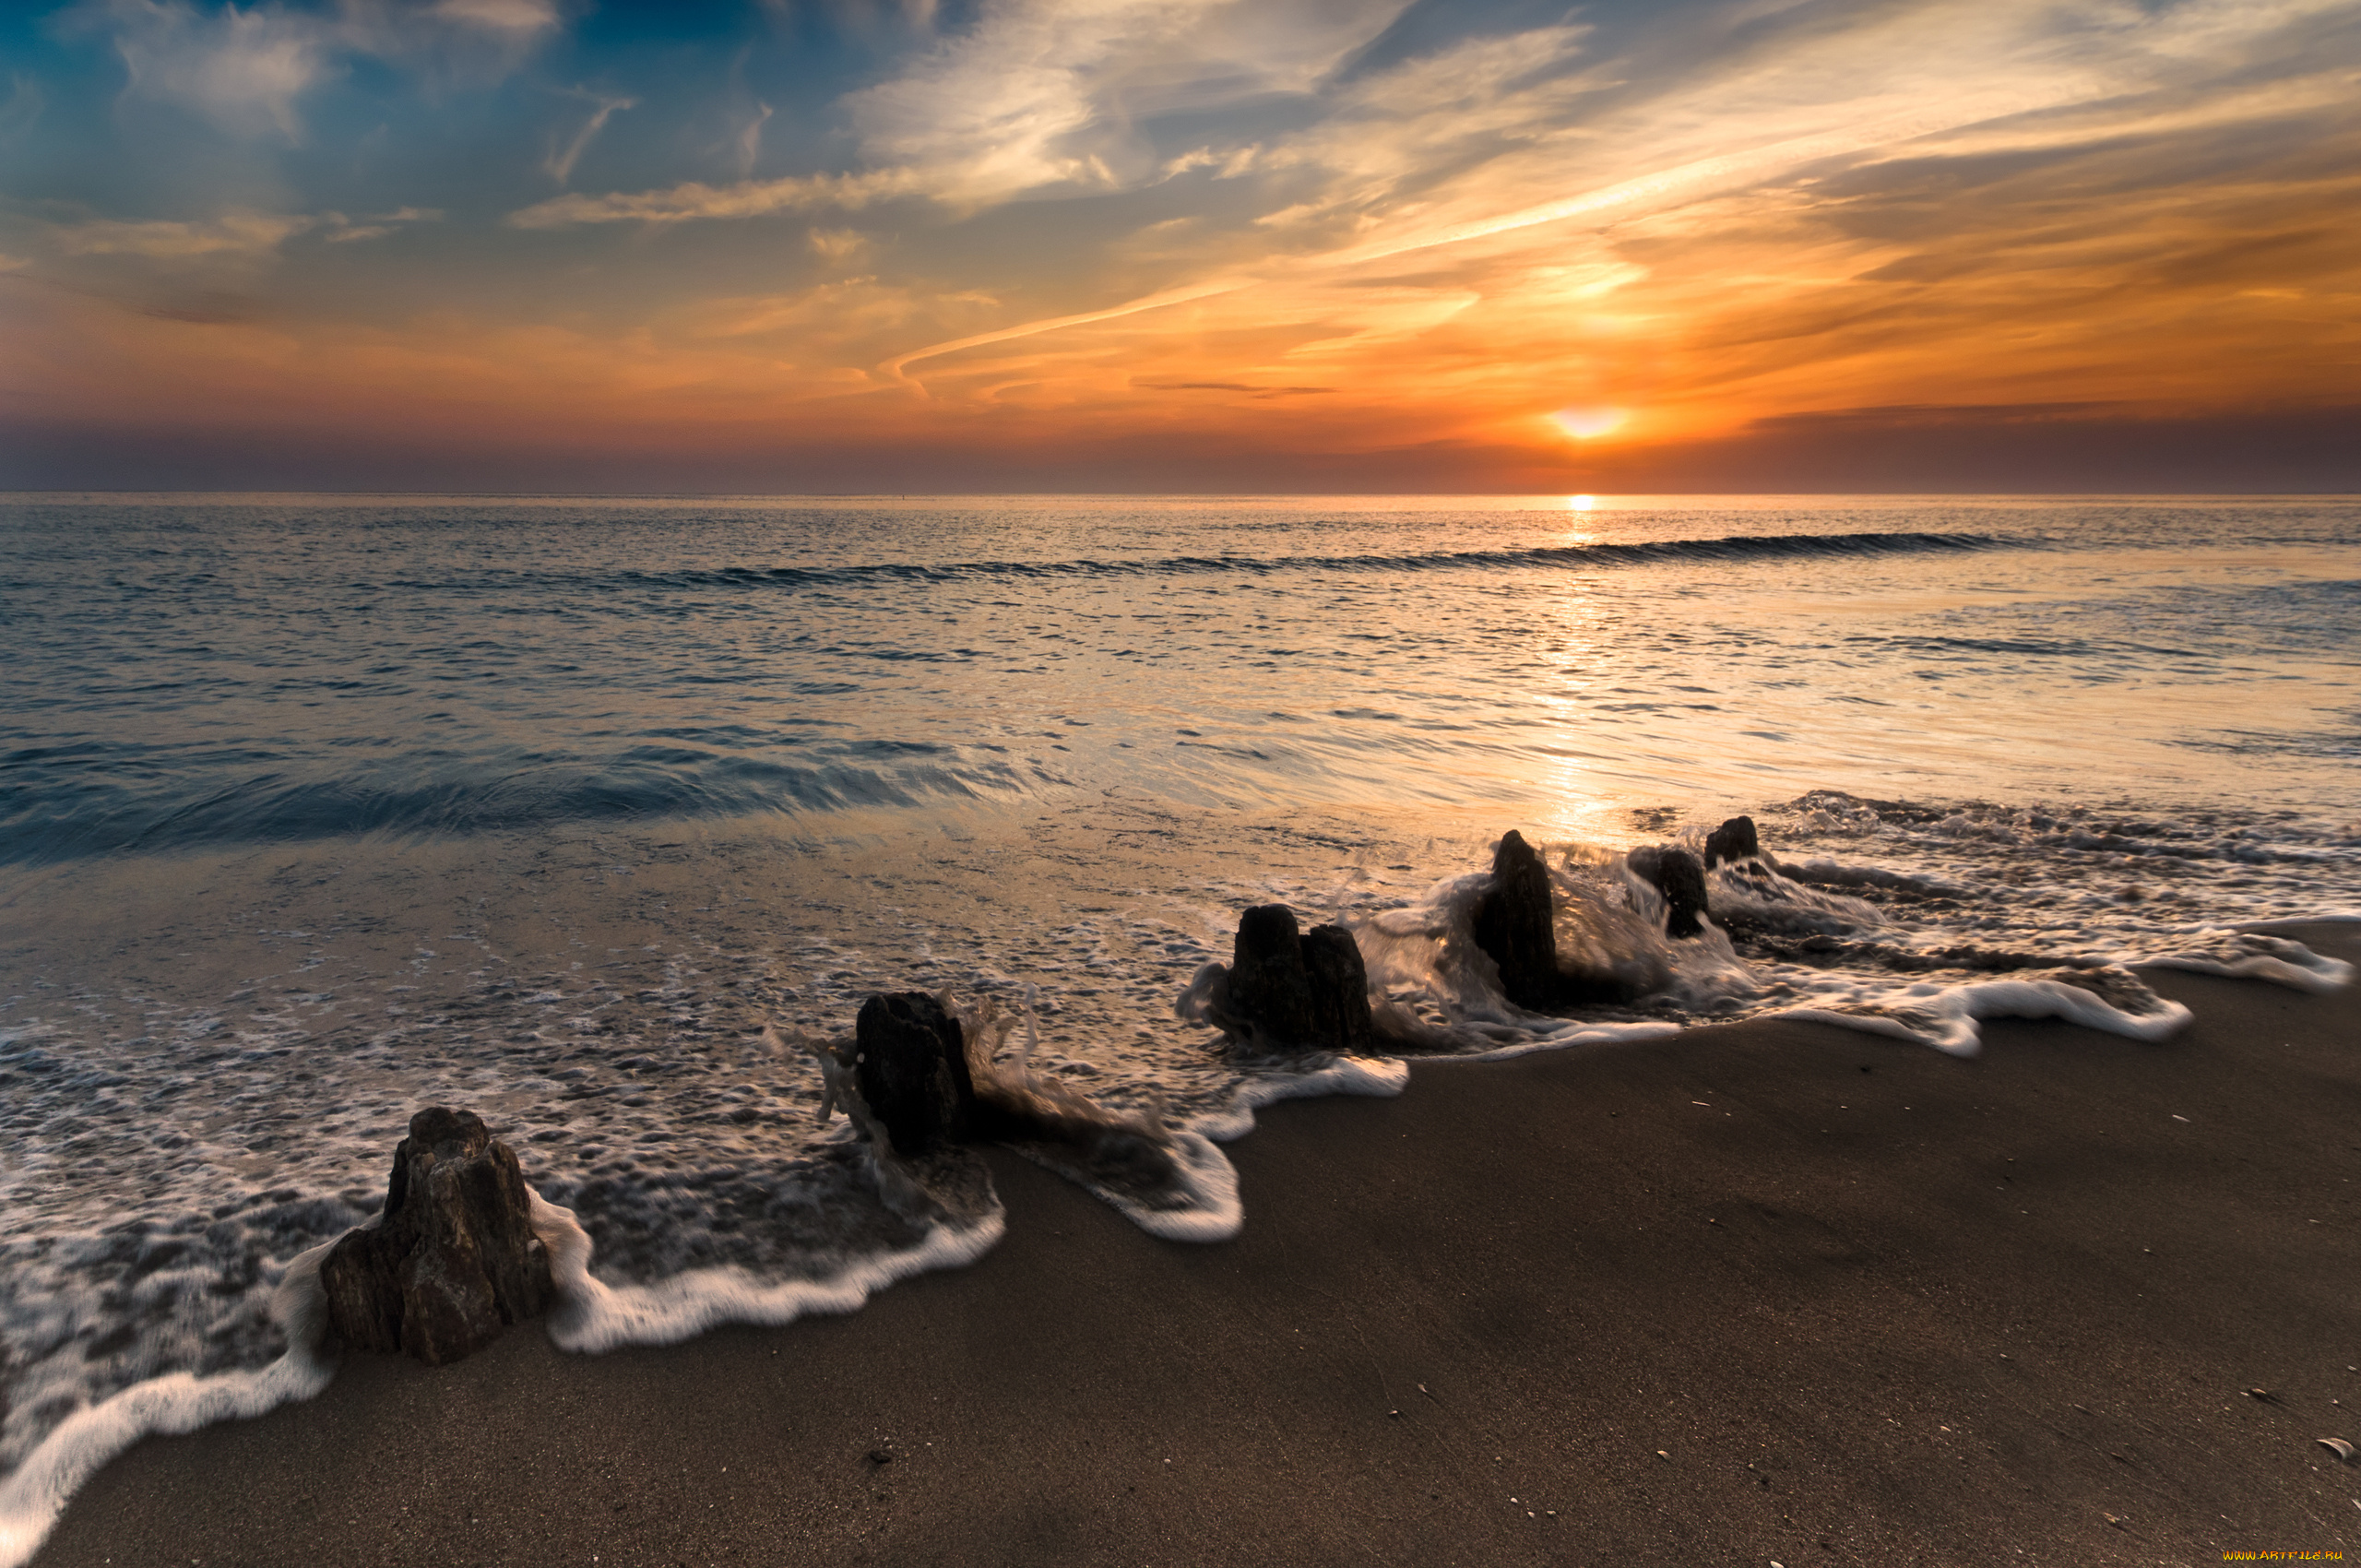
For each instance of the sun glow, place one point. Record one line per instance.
(1582, 504)
(1589, 424)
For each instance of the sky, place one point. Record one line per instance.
(1181, 246)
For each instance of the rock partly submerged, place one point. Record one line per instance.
(1290, 990)
(925, 1084)
(1733, 840)
(911, 1065)
(1674, 873)
(1514, 921)
(452, 1261)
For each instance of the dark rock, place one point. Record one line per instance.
(1285, 989)
(453, 1260)
(911, 1069)
(1270, 988)
(1677, 875)
(1340, 1014)
(1515, 924)
(1733, 840)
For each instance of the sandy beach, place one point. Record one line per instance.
(1772, 1292)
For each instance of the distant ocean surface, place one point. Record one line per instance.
(318, 809)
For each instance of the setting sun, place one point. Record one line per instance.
(1589, 424)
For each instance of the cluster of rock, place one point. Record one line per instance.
(1514, 921)
(452, 1260)
(1290, 990)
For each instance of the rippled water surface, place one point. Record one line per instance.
(313, 811)
(187, 674)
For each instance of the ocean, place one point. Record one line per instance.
(597, 816)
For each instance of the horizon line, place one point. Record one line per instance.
(6, 496)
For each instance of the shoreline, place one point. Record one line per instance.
(1765, 1291)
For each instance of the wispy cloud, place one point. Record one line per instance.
(525, 17)
(236, 235)
(747, 199)
(243, 69)
(839, 245)
(899, 366)
(341, 230)
(847, 314)
(562, 160)
(750, 139)
(1036, 95)
(1043, 93)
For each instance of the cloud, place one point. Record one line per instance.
(1043, 93)
(501, 15)
(750, 139)
(899, 366)
(242, 235)
(1035, 95)
(236, 235)
(746, 198)
(243, 69)
(343, 231)
(839, 245)
(561, 161)
(844, 310)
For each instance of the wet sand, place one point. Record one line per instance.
(1772, 1292)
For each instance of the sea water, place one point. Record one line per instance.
(599, 817)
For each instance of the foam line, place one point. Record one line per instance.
(1945, 1017)
(1573, 1033)
(172, 1405)
(2300, 970)
(1377, 1077)
(1213, 1210)
(592, 1315)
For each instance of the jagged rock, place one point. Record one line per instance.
(914, 1075)
(1340, 1014)
(911, 1069)
(1287, 988)
(1733, 840)
(1514, 923)
(1676, 874)
(1270, 988)
(453, 1260)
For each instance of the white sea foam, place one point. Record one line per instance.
(1574, 1033)
(1375, 1077)
(2254, 956)
(1201, 1205)
(592, 1315)
(1945, 1016)
(36, 1493)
